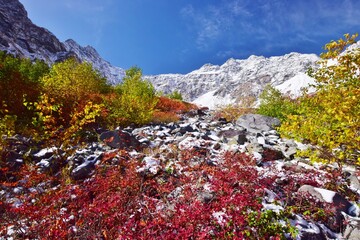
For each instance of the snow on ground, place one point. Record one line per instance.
(212, 101)
(293, 87)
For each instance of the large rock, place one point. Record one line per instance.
(119, 139)
(352, 230)
(256, 123)
(340, 204)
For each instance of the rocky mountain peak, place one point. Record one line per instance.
(14, 9)
(237, 78)
(20, 37)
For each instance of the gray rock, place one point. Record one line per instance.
(205, 196)
(289, 152)
(45, 153)
(185, 129)
(326, 196)
(354, 183)
(82, 171)
(51, 164)
(254, 147)
(13, 160)
(256, 123)
(119, 139)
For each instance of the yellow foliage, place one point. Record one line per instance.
(330, 117)
(134, 102)
(73, 81)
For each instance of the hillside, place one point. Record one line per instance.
(85, 157)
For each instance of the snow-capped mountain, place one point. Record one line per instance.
(19, 36)
(209, 85)
(217, 85)
(89, 54)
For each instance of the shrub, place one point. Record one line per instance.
(329, 118)
(175, 95)
(19, 78)
(71, 81)
(121, 203)
(134, 100)
(168, 109)
(164, 117)
(274, 104)
(232, 112)
(166, 104)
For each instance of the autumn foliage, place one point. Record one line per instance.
(168, 109)
(329, 118)
(122, 203)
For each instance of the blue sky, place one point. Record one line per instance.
(178, 36)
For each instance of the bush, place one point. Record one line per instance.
(134, 100)
(232, 112)
(166, 104)
(19, 79)
(175, 95)
(168, 110)
(329, 118)
(71, 81)
(70, 102)
(164, 117)
(274, 104)
(120, 203)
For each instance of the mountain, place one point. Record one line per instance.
(20, 37)
(209, 85)
(238, 79)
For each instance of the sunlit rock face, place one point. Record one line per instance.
(20, 37)
(237, 79)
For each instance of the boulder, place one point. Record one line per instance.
(119, 139)
(340, 204)
(256, 123)
(82, 171)
(13, 160)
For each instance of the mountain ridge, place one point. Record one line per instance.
(21, 37)
(209, 85)
(237, 79)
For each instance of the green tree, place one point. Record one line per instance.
(329, 118)
(274, 104)
(175, 95)
(135, 100)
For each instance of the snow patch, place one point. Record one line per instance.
(294, 86)
(327, 195)
(213, 101)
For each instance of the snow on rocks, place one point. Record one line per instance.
(159, 149)
(256, 123)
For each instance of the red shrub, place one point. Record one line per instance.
(164, 117)
(165, 104)
(120, 203)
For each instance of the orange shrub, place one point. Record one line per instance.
(164, 117)
(232, 112)
(172, 105)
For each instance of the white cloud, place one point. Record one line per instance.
(233, 23)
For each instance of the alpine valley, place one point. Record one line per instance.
(209, 86)
(79, 166)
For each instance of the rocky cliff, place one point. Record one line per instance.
(19, 36)
(236, 79)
